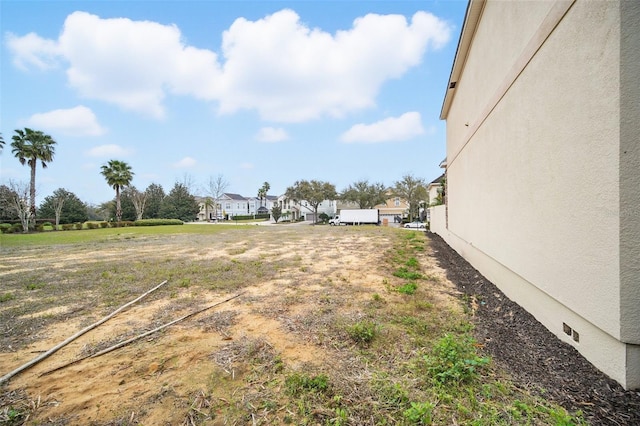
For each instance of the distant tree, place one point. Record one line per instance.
(179, 204)
(29, 147)
(118, 174)
(7, 212)
(208, 206)
(65, 206)
(155, 196)
(364, 194)
(20, 203)
(414, 191)
(313, 192)
(107, 210)
(276, 212)
(1, 142)
(126, 205)
(263, 192)
(216, 188)
(94, 213)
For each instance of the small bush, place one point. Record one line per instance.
(4, 227)
(158, 222)
(67, 226)
(363, 332)
(104, 224)
(78, 225)
(16, 228)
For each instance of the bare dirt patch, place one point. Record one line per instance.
(288, 280)
(294, 348)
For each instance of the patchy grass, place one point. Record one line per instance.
(326, 335)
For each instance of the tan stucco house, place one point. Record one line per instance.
(543, 167)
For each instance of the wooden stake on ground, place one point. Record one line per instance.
(75, 336)
(140, 336)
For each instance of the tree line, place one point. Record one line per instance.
(33, 147)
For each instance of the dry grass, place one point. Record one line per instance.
(321, 335)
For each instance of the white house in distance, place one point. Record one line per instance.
(229, 205)
(543, 167)
(296, 210)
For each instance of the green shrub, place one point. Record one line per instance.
(16, 228)
(158, 222)
(77, 225)
(454, 360)
(92, 225)
(104, 224)
(363, 332)
(5, 227)
(250, 217)
(67, 226)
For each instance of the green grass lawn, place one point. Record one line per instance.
(102, 234)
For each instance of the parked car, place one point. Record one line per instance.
(415, 224)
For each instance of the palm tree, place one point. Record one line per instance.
(29, 147)
(118, 175)
(1, 142)
(262, 192)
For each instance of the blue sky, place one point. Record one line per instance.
(255, 91)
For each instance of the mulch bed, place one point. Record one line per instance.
(537, 360)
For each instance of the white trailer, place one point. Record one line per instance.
(356, 217)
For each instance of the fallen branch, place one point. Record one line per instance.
(75, 336)
(140, 336)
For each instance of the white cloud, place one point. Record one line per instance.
(33, 50)
(271, 134)
(277, 65)
(109, 150)
(393, 129)
(185, 163)
(78, 121)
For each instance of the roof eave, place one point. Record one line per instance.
(469, 25)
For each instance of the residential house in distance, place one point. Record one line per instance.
(229, 205)
(301, 210)
(434, 189)
(543, 167)
(393, 210)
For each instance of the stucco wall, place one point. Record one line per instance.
(536, 172)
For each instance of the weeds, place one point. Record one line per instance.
(408, 375)
(454, 360)
(408, 288)
(6, 297)
(363, 332)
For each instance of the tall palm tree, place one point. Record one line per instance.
(118, 175)
(29, 147)
(262, 192)
(1, 142)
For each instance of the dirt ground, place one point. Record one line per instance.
(154, 379)
(290, 282)
(536, 359)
